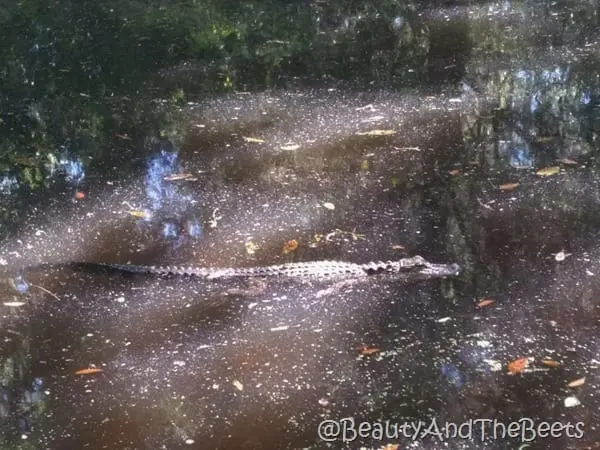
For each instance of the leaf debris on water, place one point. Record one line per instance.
(89, 371)
(550, 362)
(377, 133)
(577, 382)
(289, 246)
(507, 187)
(290, 147)
(517, 366)
(238, 385)
(485, 302)
(572, 401)
(253, 140)
(367, 351)
(548, 171)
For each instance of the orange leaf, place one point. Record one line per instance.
(517, 366)
(88, 371)
(365, 350)
(509, 186)
(79, 195)
(577, 382)
(550, 362)
(290, 246)
(485, 302)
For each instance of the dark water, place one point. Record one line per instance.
(261, 364)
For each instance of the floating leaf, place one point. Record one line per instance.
(577, 382)
(571, 402)
(13, 304)
(238, 385)
(367, 351)
(509, 186)
(454, 172)
(251, 247)
(391, 447)
(123, 137)
(548, 171)
(79, 195)
(290, 246)
(89, 371)
(253, 140)
(485, 302)
(329, 206)
(545, 139)
(377, 133)
(398, 247)
(567, 162)
(180, 176)
(364, 165)
(138, 213)
(561, 256)
(517, 366)
(290, 147)
(550, 362)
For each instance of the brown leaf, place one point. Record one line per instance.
(550, 362)
(398, 247)
(79, 195)
(485, 302)
(567, 162)
(509, 186)
(577, 382)
(454, 172)
(367, 351)
(548, 171)
(517, 366)
(89, 371)
(290, 246)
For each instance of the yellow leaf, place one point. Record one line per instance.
(364, 165)
(137, 213)
(377, 133)
(251, 247)
(290, 147)
(548, 171)
(253, 140)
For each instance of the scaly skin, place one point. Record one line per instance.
(314, 269)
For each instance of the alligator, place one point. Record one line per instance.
(414, 267)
